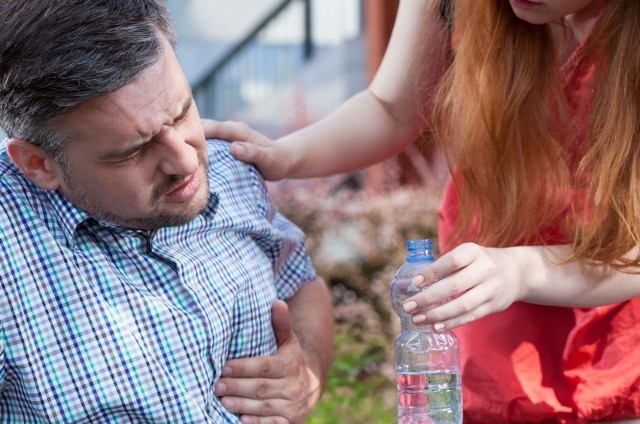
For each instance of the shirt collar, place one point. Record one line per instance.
(71, 217)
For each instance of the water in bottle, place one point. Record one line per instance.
(427, 362)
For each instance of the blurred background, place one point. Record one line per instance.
(276, 64)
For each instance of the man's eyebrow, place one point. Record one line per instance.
(186, 107)
(123, 154)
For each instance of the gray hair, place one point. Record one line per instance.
(58, 54)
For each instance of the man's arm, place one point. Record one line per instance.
(311, 313)
(284, 388)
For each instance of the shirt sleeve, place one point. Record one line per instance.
(2, 356)
(250, 209)
(284, 243)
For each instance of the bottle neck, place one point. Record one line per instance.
(419, 251)
(422, 256)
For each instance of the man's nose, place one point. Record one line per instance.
(178, 156)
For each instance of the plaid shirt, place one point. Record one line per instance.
(104, 324)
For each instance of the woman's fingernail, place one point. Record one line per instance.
(419, 319)
(410, 306)
(226, 372)
(438, 326)
(418, 279)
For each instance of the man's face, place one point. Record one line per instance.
(138, 155)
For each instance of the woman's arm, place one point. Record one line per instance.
(373, 125)
(487, 280)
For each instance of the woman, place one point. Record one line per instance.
(536, 105)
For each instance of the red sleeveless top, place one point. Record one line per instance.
(532, 363)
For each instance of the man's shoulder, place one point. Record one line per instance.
(13, 184)
(11, 179)
(20, 199)
(221, 150)
(6, 165)
(223, 167)
(239, 187)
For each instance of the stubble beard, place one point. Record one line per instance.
(157, 218)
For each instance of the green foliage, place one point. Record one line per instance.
(357, 242)
(355, 392)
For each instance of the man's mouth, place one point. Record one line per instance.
(185, 189)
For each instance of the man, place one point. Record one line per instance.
(137, 259)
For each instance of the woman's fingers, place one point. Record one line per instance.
(462, 286)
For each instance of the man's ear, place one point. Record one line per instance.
(34, 163)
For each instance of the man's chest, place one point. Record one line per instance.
(132, 318)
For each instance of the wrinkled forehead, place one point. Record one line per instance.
(135, 112)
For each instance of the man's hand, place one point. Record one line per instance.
(271, 389)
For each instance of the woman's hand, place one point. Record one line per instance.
(466, 284)
(251, 146)
(472, 281)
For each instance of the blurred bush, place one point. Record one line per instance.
(357, 241)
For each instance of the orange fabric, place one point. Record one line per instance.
(533, 364)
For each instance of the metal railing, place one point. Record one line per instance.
(252, 69)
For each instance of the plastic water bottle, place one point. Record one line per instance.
(427, 362)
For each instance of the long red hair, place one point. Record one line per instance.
(502, 101)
